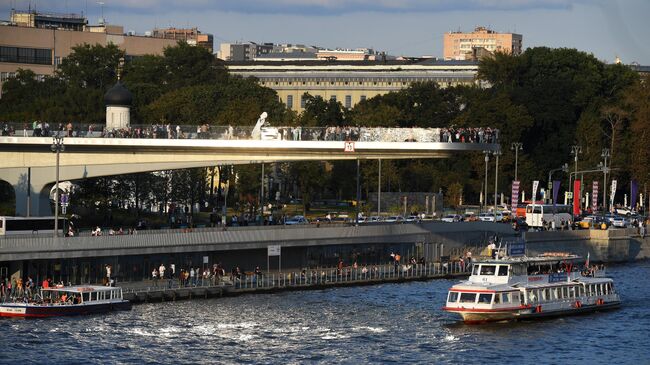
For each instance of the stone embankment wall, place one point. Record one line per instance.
(612, 245)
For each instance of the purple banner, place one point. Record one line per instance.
(556, 190)
(514, 197)
(634, 187)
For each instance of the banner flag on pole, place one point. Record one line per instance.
(535, 185)
(514, 197)
(634, 191)
(556, 190)
(576, 197)
(594, 196)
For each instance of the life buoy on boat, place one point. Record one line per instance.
(578, 304)
(600, 301)
(538, 309)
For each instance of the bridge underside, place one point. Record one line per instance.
(30, 166)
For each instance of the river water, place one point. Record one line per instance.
(390, 323)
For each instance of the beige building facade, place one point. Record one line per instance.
(350, 83)
(41, 50)
(482, 41)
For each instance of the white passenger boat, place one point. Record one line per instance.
(517, 288)
(67, 301)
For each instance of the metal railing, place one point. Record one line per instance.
(313, 277)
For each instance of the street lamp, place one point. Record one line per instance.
(575, 151)
(497, 153)
(564, 168)
(517, 146)
(487, 159)
(605, 155)
(57, 147)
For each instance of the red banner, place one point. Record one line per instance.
(576, 197)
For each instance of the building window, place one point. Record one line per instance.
(333, 98)
(363, 98)
(303, 102)
(348, 101)
(26, 55)
(290, 101)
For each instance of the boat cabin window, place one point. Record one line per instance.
(518, 270)
(467, 297)
(475, 272)
(505, 297)
(488, 269)
(453, 297)
(485, 298)
(503, 270)
(497, 298)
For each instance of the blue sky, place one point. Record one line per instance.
(606, 28)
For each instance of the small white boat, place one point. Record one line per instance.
(67, 301)
(517, 288)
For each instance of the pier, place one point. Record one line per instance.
(316, 279)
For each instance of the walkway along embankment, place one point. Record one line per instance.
(315, 279)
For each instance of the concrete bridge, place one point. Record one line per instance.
(30, 167)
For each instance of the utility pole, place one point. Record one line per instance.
(517, 146)
(57, 147)
(487, 159)
(497, 153)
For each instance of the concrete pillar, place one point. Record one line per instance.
(34, 193)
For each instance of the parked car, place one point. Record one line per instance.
(625, 211)
(450, 218)
(620, 222)
(594, 221)
(489, 217)
(296, 219)
(374, 219)
(394, 219)
(412, 218)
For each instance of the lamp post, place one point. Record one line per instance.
(517, 146)
(564, 168)
(487, 159)
(605, 155)
(497, 153)
(575, 151)
(379, 189)
(57, 147)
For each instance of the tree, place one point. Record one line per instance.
(91, 66)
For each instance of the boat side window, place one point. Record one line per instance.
(532, 296)
(497, 298)
(505, 297)
(503, 270)
(581, 290)
(610, 288)
(572, 292)
(475, 272)
(485, 298)
(547, 294)
(467, 297)
(488, 269)
(453, 297)
(85, 296)
(565, 292)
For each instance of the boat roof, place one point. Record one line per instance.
(544, 258)
(81, 289)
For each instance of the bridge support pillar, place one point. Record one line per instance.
(31, 189)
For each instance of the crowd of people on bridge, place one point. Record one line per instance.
(469, 135)
(297, 133)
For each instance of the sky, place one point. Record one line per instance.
(606, 28)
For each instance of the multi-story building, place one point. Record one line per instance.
(243, 51)
(190, 35)
(482, 41)
(39, 41)
(351, 81)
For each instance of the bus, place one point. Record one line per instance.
(13, 226)
(538, 214)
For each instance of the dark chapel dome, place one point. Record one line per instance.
(118, 95)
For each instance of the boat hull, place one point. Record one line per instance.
(41, 311)
(470, 316)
